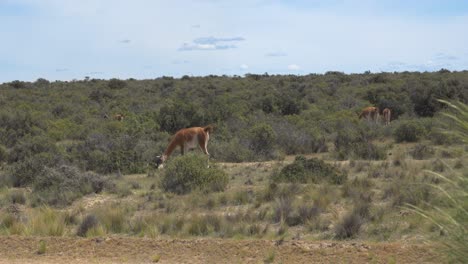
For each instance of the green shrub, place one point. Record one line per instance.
(353, 141)
(422, 151)
(116, 84)
(89, 222)
(30, 146)
(190, 172)
(3, 153)
(262, 139)
(350, 225)
(42, 247)
(17, 196)
(312, 170)
(282, 210)
(231, 151)
(408, 191)
(23, 173)
(408, 131)
(294, 140)
(61, 186)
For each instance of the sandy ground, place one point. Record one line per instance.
(18, 249)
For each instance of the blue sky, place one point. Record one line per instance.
(71, 39)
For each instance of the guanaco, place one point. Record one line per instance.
(370, 113)
(119, 117)
(186, 139)
(387, 113)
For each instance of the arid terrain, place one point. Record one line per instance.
(299, 244)
(117, 249)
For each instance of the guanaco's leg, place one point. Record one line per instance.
(182, 149)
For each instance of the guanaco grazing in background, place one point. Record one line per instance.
(387, 115)
(186, 139)
(370, 113)
(118, 117)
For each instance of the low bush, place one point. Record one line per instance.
(61, 186)
(312, 170)
(190, 172)
(356, 142)
(349, 226)
(231, 151)
(24, 172)
(89, 222)
(17, 196)
(408, 131)
(262, 140)
(408, 191)
(282, 210)
(422, 151)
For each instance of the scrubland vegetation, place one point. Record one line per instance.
(289, 158)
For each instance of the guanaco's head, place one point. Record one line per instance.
(159, 161)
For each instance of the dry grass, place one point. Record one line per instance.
(367, 206)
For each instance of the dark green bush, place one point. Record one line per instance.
(3, 154)
(408, 191)
(408, 131)
(89, 222)
(177, 115)
(231, 151)
(349, 226)
(116, 84)
(17, 196)
(61, 186)
(354, 141)
(422, 151)
(189, 173)
(262, 139)
(294, 140)
(30, 146)
(23, 173)
(312, 170)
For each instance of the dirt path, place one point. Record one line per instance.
(16, 249)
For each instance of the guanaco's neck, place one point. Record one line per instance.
(169, 149)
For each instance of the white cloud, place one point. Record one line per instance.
(210, 43)
(293, 67)
(276, 54)
(213, 40)
(244, 66)
(195, 46)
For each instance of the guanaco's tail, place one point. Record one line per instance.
(208, 128)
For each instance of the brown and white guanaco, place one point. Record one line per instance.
(186, 139)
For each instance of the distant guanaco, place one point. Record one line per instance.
(387, 113)
(186, 139)
(370, 113)
(119, 117)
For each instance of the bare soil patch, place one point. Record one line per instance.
(19, 249)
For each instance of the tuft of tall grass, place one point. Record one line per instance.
(113, 219)
(453, 220)
(46, 222)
